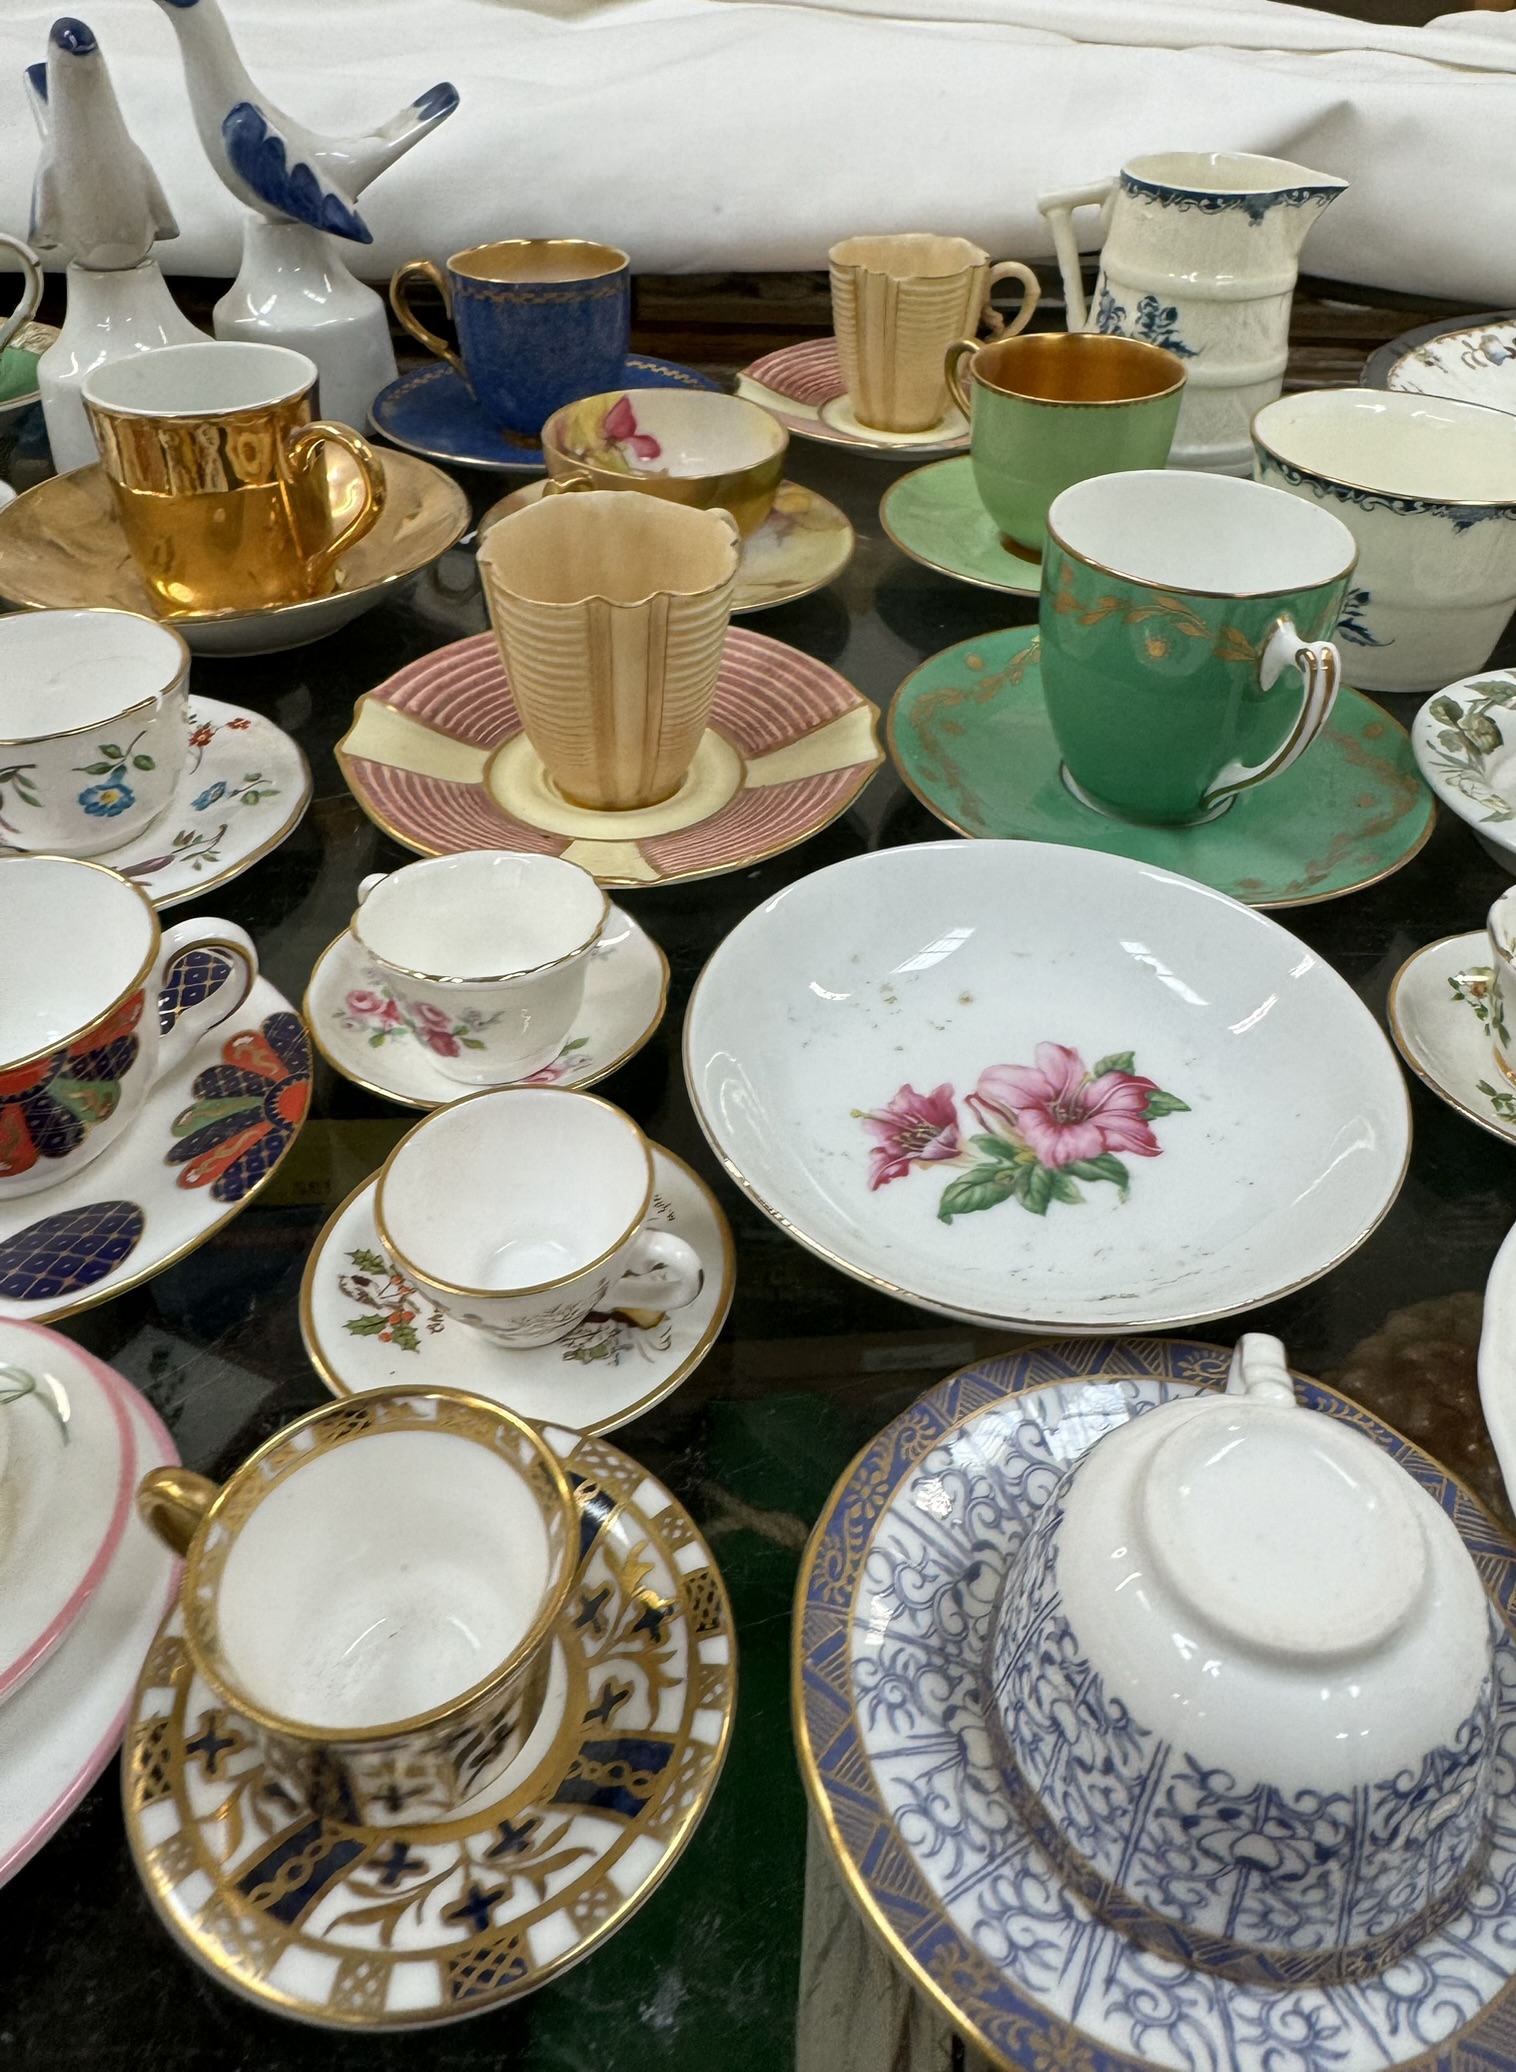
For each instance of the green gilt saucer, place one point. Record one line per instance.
(935, 516)
(969, 733)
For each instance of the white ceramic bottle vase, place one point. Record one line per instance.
(1200, 255)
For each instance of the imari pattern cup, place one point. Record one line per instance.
(540, 322)
(100, 1004)
(1183, 630)
(897, 305)
(219, 475)
(611, 613)
(375, 1592)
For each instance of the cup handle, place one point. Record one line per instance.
(1058, 209)
(197, 992)
(31, 291)
(994, 323)
(172, 1501)
(1320, 664)
(366, 885)
(401, 282)
(566, 485)
(952, 360)
(303, 449)
(640, 1288)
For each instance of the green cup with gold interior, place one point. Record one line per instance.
(1183, 630)
(1050, 408)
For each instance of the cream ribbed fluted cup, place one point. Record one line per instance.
(611, 612)
(898, 303)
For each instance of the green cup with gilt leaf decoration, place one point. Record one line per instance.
(1183, 630)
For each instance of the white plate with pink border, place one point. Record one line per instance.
(59, 1733)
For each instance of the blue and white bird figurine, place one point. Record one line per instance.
(97, 204)
(267, 159)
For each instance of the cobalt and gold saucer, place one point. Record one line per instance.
(62, 547)
(406, 1926)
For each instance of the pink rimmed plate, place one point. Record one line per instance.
(437, 758)
(65, 1491)
(802, 386)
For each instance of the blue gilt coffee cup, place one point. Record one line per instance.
(541, 321)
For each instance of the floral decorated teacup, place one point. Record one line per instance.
(93, 728)
(482, 955)
(689, 447)
(1241, 1675)
(99, 1003)
(521, 1210)
(374, 1594)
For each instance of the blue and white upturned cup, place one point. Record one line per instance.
(541, 321)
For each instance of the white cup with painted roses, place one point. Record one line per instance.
(520, 1210)
(94, 728)
(483, 955)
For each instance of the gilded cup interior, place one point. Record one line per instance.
(1399, 445)
(538, 259)
(1076, 367)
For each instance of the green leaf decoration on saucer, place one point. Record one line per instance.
(969, 733)
(935, 516)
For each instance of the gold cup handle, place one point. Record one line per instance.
(303, 449)
(951, 363)
(566, 485)
(993, 322)
(401, 282)
(172, 1502)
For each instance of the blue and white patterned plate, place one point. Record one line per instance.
(432, 411)
(892, 1624)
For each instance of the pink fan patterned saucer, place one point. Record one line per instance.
(437, 758)
(802, 386)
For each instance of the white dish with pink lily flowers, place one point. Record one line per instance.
(1035, 1085)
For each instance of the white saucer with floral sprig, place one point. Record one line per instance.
(245, 787)
(364, 1033)
(1439, 1016)
(366, 1327)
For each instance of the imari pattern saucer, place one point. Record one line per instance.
(801, 546)
(245, 787)
(802, 386)
(432, 412)
(936, 517)
(400, 1927)
(969, 733)
(213, 1132)
(367, 1327)
(1440, 1006)
(436, 757)
(363, 1032)
(892, 1620)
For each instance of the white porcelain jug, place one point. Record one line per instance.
(1200, 254)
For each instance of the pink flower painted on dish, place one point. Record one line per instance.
(372, 1005)
(1064, 1113)
(620, 426)
(1044, 1127)
(912, 1129)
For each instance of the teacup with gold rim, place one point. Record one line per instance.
(1500, 927)
(94, 727)
(97, 1004)
(521, 1210)
(374, 1593)
(485, 955)
(688, 446)
(220, 478)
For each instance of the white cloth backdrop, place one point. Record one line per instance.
(712, 134)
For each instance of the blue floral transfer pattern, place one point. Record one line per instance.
(895, 1616)
(1155, 323)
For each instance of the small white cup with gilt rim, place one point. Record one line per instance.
(483, 955)
(520, 1210)
(94, 728)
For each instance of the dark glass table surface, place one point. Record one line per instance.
(809, 1366)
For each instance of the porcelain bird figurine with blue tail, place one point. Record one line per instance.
(98, 206)
(302, 190)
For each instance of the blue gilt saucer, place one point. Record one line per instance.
(893, 1614)
(432, 411)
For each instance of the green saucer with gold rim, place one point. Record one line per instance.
(969, 733)
(934, 515)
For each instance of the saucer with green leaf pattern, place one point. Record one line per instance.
(935, 516)
(1439, 1011)
(969, 733)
